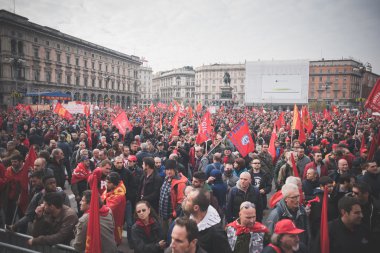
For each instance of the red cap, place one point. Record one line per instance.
(132, 158)
(286, 226)
(334, 146)
(325, 142)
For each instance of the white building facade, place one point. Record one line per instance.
(146, 77)
(209, 80)
(176, 84)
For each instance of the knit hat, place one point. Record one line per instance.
(170, 165)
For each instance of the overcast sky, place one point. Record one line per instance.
(175, 33)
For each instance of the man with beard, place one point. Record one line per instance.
(245, 234)
(317, 165)
(285, 239)
(303, 160)
(212, 237)
(266, 160)
(228, 175)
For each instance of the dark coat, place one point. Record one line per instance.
(214, 240)
(151, 192)
(142, 242)
(237, 196)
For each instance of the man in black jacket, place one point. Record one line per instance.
(150, 184)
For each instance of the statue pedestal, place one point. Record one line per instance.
(226, 93)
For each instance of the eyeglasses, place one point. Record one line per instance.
(295, 197)
(141, 211)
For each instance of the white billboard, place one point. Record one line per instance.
(277, 82)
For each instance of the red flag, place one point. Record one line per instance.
(93, 243)
(362, 144)
(199, 107)
(171, 109)
(87, 110)
(335, 110)
(62, 111)
(294, 166)
(24, 180)
(280, 121)
(324, 230)
(29, 110)
(273, 138)
(174, 123)
(375, 142)
(307, 123)
(241, 138)
(296, 119)
(160, 126)
(276, 197)
(122, 123)
(326, 115)
(152, 108)
(373, 101)
(302, 136)
(89, 135)
(190, 111)
(204, 129)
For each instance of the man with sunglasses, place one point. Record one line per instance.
(261, 179)
(289, 207)
(245, 234)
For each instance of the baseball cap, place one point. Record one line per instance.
(287, 226)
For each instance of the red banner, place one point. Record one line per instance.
(324, 230)
(241, 138)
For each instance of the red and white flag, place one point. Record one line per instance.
(241, 138)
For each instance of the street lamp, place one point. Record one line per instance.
(361, 70)
(16, 62)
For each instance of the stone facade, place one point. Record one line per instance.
(209, 80)
(340, 82)
(35, 59)
(175, 84)
(145, 76)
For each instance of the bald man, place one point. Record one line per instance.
(243, 191)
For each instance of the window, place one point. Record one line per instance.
(13, 47)
(93, 65)
(35, 50)
(68, 59)
(58, 57)
(20, 48)
(35, 40)
(85, 63)
(59, 77)
(101, 83)
(68, 79)
(77, 80)
(100, 66)
(106, 68)
(77, 61)
(47, 55)
(93, 82)
(36, 75)
(320, 79)
(58, 46)
(343, 94)
(85, 81)
(48, 77)
(47, 43)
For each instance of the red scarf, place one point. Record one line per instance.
(257, 228)
(103, 211)
(146, 227)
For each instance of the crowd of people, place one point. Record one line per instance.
(172, 193)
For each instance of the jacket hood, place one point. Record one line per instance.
(212, 218)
